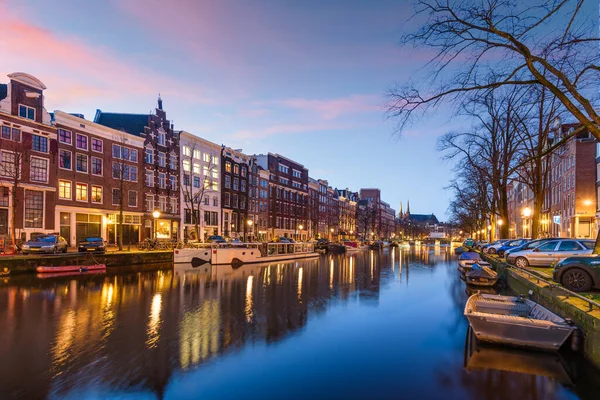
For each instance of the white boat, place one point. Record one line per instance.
(516, 321)
(404, 245)
(353, 247)
(244, 253)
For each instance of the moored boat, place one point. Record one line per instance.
(481, 276)
(516, 321)
(352, 247)
(336, 248)
(71, 268)
(244, 253)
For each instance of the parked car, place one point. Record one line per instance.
(551, 251)
(493, 247)
(92, 243)
(530, 244)
(478, 245)
(216, 239)
(45, 244)
(511, 244)
(578, 274)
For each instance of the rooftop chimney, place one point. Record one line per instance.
(159, 102)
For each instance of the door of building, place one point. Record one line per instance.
(3, 221)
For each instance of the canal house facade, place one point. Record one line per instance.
(98, 167)
(28, 159)
(288, 196)
(234, 192)
(200, 187)
(161, 161)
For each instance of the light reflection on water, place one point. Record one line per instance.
(368, 325)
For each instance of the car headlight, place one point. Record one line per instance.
(25, 246)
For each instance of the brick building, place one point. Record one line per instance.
(347, 212)
(28, 159)
(288, 196)
(234, 192)
(161, 167)
(573, 186)
(98, 167)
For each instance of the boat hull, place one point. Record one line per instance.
(512, 333)
(187, 256)
(71, 268)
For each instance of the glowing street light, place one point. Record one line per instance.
(500, 222)
(527, 212)
(155, 215)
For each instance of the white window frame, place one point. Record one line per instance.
(87, 163)
(112, 196)
(19, 167)
(70, 189)
(187, 151)
(87, 142)
(27, 108)
(47, 169)
(197, 154)
(101, 194)
(96, 151)
(60, 141)
(71, 153)
(47, 143)
(91, 170)
(87, 192)
(136, 198)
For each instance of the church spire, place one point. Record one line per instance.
(408, 207)
(400, 215)
(159, 102)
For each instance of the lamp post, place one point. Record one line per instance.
(300, 230)
(331, 230)
(250, 222)
(526, 214)
(156, 216)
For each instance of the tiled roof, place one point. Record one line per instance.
(430, 218)
(130, 123)
(3, 90)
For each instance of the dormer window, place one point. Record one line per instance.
(27, 112)
(161, 138)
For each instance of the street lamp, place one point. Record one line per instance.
(300, 229)
(526, 214)
(155, 215)
(249, 222)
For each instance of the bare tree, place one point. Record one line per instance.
(193, 193)
(124, 170)
(483, 45)
(12, 157)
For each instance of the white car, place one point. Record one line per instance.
(493, 248)
(551, 251)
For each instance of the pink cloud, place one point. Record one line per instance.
(254, 112)
(288, 129)
(333, 108)
(75, 71)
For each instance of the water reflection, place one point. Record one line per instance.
(393, 317)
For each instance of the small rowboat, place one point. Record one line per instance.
(516, 321)
(466, 266)
(481, 276)
(71, 268)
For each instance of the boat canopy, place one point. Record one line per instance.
(469, 255)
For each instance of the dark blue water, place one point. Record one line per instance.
(374, 325)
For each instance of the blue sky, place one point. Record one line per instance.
(304, 79)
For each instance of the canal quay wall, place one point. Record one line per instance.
(557, 301)
(150, 260)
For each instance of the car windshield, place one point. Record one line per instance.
(45, 239)
(589, 244)
(93, 239)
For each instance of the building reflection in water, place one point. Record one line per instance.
(131, 332)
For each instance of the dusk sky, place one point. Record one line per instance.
(304, 79)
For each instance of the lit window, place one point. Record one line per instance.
(206, 157)
(215, 160)
(228, 166)
(236, 169)
(96, 194)
(186, 165)
(186, 151)
(196, 169)
(64, 189)
(81, 192)
(215, 185)
(196, 154)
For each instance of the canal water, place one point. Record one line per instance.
(373, 325)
